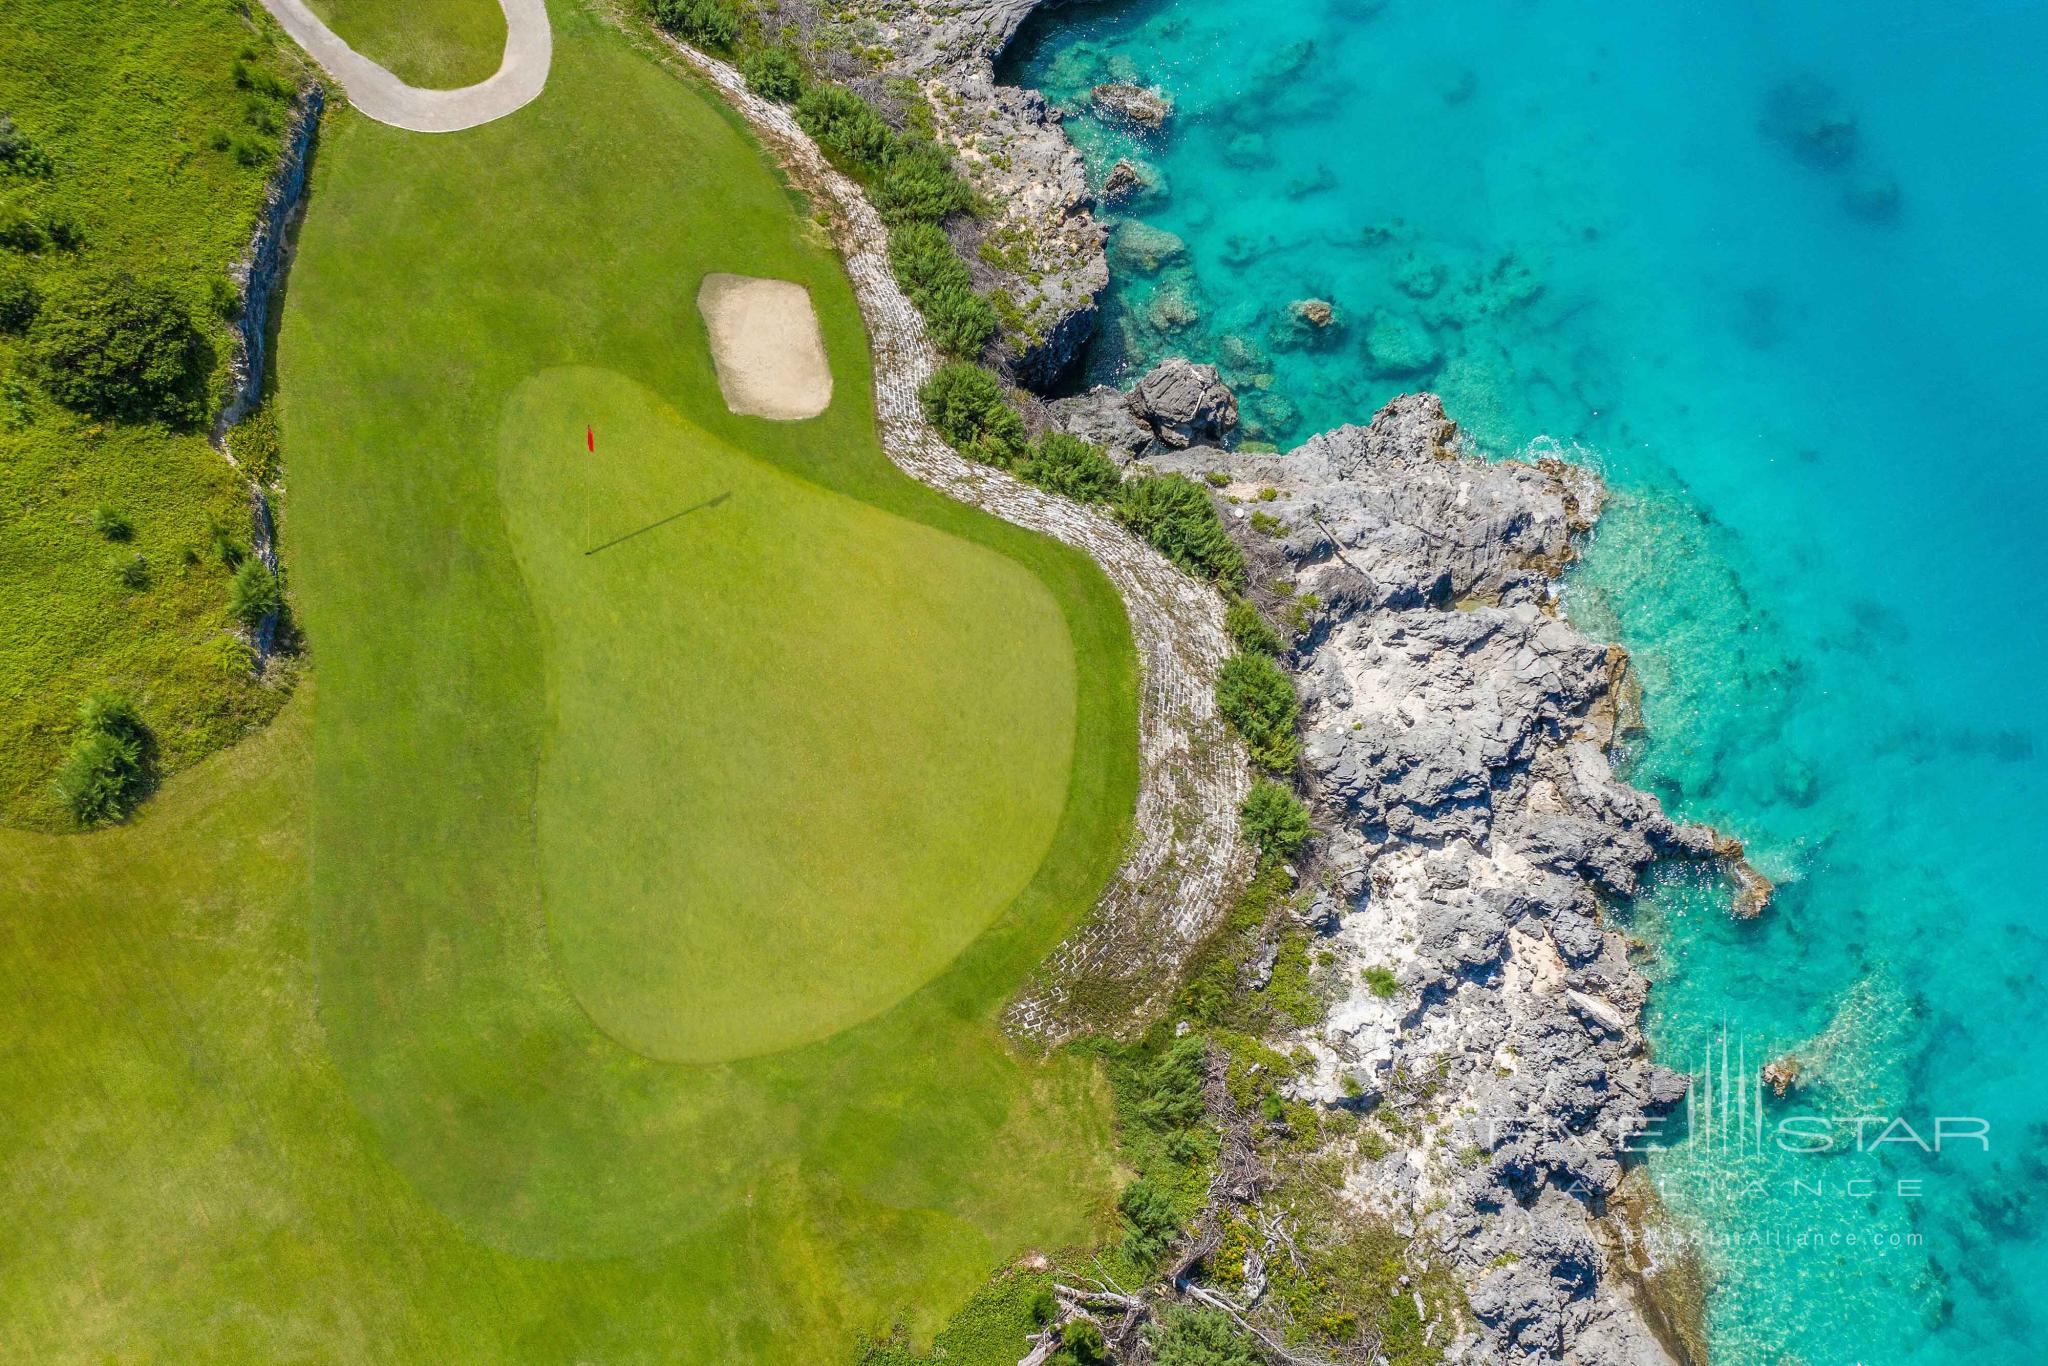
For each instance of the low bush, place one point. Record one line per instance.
(109, 767)
(938, 282)
(1081, 1343)
(19, 155)
(253, 593)
(1150, 1218)
(20, 301)
(1200, 1337)
(1275, 822)
(1067, 465)
(966, 404)
(919, 184)
(1380, 981)
(1250, 631)
(846, 128)
(114, 346)
(1258, 701)
(1175, 514)
(707, 23)
(773, 74)
(109, 523)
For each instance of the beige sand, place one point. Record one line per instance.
(766, 345)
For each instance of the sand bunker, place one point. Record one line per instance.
(766, 345)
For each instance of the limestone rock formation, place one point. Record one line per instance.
(1184, 404)
(1456, 730)
(1136, 104)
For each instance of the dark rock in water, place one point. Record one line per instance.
(1248, 151)
(1397, 346)
(1375, 234)
(1456, 85)
(1872, 196)
(1316, 182)
(1419, 277)
(1184, 404)
(1142, 247)
(1137, 104)
(1173, 307)
(1807, 116)
(1128, 180)
(1311, 324)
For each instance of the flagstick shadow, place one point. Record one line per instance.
(652, 526)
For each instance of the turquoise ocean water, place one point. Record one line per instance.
(1777, 270)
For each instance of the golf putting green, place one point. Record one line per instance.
(800, 751)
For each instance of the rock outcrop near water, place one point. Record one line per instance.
(1456, 743)
(1044, 246)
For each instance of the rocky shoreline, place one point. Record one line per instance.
(1456, 729)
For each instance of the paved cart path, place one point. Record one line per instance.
(529, 46)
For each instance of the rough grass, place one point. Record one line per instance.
(736, 859)
(126, 99)
(434, 44)
(449, 1160)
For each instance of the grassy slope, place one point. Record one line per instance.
(124, 97)
(446, 1161)
(187, 1180)
(437, 44)
(737, 859)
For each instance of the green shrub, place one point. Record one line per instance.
(109, 768)
(253, 593)
(1248, 630)
(846, 127)
(1174, 513)
(19, 155)
(1380, 981)
(1275, 821)
(1200, 1337)
(707, 23)
(938, 282)
(966, 404)
(109, 523)
(133, 572)
(919, 184)
(1150, 1220)
(20, 301)
(1258, 700)
(21, 228)
(773, 74)
(115, 346)
(1081, 1342)
(1067, 465)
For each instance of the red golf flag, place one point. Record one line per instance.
(590, 439)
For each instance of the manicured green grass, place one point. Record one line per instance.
(737, 855)
(187, 1179)
(299, 1063)
(436, 44)
(127, 100)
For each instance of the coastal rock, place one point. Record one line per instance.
(1455, 730)
(1102, 417)
(1128, 180)
(1143, 248)
(1142, 105)
(1183, 404)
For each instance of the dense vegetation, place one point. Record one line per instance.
(1257, 698)
(111, 764)
(134, 147)
(1179, 517)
